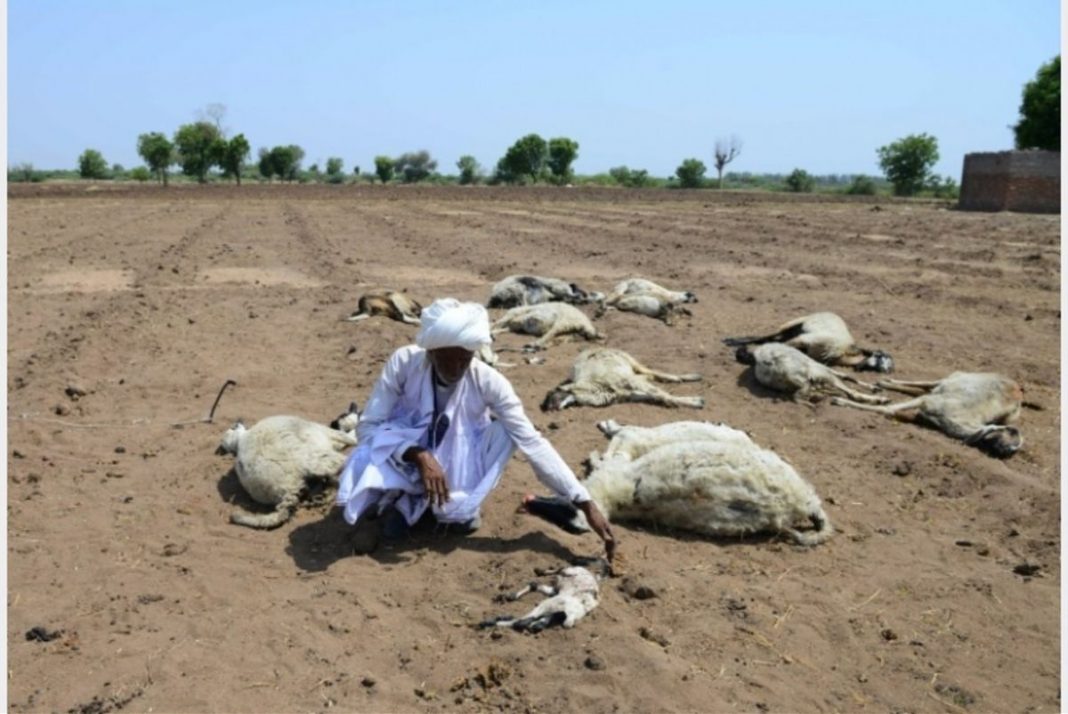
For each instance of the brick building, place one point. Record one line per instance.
(1025, 181)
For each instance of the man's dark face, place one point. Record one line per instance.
(450, 363)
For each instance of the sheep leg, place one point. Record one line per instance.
(913, 388)
(894, 410)
(357, 317)
(783, 335)
(641, 369)
(855, 395)
(609, 427)
(653, 395)
(539, 619)
(846, 377)
(533, 586)
(543, 341)
(409, 320)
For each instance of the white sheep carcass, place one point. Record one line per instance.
(824, 337)
(277, 457)
(517, 290)
(785, 369)
(630, 442)
(975, 407)
(603, 376)
(708, 479)
(573, 594)
(645, 297)
(388, 303)
(546, 322)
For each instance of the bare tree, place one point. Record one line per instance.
(726, 152)
(214, 114)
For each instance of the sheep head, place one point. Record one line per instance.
(348, 421)
(231, 439)
(557, 399)
(998, 441)
(556, 510)
(876, 361)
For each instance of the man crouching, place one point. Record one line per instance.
(426, 437)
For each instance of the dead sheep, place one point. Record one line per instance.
(784, 369)
(645, 297)
(631, 442)
(976, 408)
(518, 290)
(546, 322)
(278, 456)
(603, 376)
(389, 303)
(708, 479)
(824, 337)
(574, 593)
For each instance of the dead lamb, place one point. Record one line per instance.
(713, 481)
(546, 322)
(278, 456)
(824, 337)
(574, 593)
(645, 297)
(785, 369)
(603, 376)
(976, 408)
(517, 290)
(389, 303)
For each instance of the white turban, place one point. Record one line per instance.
(451, 323)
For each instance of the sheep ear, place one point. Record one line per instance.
(354, 408)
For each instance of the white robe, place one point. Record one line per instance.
(473, 452)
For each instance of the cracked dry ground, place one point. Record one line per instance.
(128, 308)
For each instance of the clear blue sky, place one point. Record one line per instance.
(818, 84)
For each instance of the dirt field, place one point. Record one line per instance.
(127, 309)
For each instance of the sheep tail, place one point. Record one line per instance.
(282, 513)
(822, 532)
(1033, 405)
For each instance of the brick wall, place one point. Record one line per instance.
(1025, 181)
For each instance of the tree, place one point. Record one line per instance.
(470, 171)
(21, 173)
(384, 168)
(158, 153)
(414, 166)
(631, 178)
(199, 146)
(691, 173)
(524, 159)
(726, 151)
(214, 114)
(140, 174)
(800, 181)
(232, 155)
(861, 186)
(562, 153)
(285, 161)
(334, 166)
(907, 162)
(1040, 111)
(117, 171)
(266, 164)
(91, 165)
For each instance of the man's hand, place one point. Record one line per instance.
(600, 526)
(433, 476)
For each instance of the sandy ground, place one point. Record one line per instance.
(127, 309)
